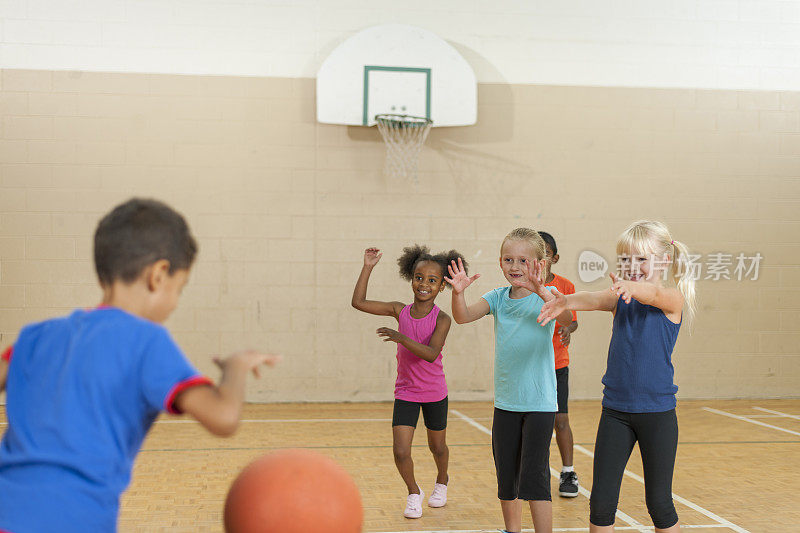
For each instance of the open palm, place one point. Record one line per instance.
(553, 308)
(458, 276)
(533, 277)
(372, 256)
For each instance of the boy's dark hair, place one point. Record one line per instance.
(412, 255)
(138, 233)
(549, 241)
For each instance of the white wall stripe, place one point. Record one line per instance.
(642, 43)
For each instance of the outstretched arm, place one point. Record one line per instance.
(534, 281)
(580, 301)
(459, 281)
(359, 301)
(668, 299)
(219, 408)
(428, 352)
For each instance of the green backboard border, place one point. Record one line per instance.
(369, 68)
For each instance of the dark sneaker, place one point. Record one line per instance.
(568, 488)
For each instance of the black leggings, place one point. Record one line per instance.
(617, 432)
(521, 449)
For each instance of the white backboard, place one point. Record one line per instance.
(398, 69)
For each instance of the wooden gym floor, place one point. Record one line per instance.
(738, 467)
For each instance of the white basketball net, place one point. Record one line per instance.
(404, 136)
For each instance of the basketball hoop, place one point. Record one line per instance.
(404, 136)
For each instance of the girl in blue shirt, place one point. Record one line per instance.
(639, 393)
(524, 375)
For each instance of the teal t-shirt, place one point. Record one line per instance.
(524, 362)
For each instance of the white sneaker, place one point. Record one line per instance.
(414, 505)
(438, 496)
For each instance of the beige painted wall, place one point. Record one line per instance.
(283, 208)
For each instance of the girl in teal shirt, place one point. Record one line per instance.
(524, 375)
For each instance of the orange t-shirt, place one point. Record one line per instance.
(564, 286)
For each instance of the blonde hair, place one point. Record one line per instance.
(533, 238)
(646, 237)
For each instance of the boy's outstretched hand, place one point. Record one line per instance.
(372, 256)
(249, 360)
(552, 309)
(458, 276)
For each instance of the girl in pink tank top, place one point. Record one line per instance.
(422, 330)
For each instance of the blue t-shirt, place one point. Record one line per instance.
(524, 362)
(639, 373)
(82, 392)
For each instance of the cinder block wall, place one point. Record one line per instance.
(283, 208)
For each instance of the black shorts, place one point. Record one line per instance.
(433, 413)
(562, 388)
(521, 448)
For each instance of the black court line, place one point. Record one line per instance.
(483, 445)
(700, 443)
(388, 446)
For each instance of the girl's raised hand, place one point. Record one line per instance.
(458, 276)
(533, 277)
(553, 308)
(372, 256)
(621, 287)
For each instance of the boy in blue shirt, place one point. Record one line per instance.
(83, 390)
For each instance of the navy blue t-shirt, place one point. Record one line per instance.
(639, 373)
(82, 392)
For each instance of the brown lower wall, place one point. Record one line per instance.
(283, 208)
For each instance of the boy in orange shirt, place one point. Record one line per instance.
(568, 486)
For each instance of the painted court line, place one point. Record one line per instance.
(776, 413)
(277, 420)
(746, 419)
(293, 420)
(723, 522)
(684, 501)
(635, 524)
(620, 528)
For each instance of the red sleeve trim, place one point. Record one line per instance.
(169, 403)
(6, 356)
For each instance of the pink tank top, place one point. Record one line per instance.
(417, 379)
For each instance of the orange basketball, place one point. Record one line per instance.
(293, 491)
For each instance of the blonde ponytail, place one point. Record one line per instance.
(684, 278)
